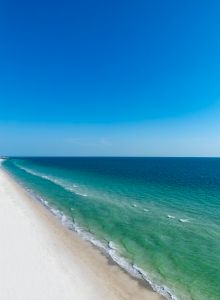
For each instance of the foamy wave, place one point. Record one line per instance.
(112, 245)
(184, 220)
(170, 217)
(68, 188)
(83, 195)
(112, 251)
(123, 263)
(137, 272)
(162, 290)
(70, 224)
(109, 248)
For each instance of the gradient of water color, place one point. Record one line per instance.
(159, 218)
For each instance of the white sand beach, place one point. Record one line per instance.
(42, 260)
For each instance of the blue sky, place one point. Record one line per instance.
(110, 78)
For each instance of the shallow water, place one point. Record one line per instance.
(159, 218)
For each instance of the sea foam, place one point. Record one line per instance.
(56, 181)
(170, 217)
(110, 249)
(184, 220)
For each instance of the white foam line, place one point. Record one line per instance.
(170, 217)
(184, 220)
(110, 249)
(53, 180)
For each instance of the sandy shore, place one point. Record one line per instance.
(40, 259)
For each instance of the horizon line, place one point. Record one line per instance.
(99, 156)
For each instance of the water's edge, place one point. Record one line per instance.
(107, 248)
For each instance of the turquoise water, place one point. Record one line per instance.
(159, 218)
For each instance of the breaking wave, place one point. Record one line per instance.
(109, 248)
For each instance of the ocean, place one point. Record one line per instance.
(158, 218)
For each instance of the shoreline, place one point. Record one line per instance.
(85, 266)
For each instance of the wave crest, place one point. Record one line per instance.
(56, 181)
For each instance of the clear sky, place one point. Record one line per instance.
(119, 77)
